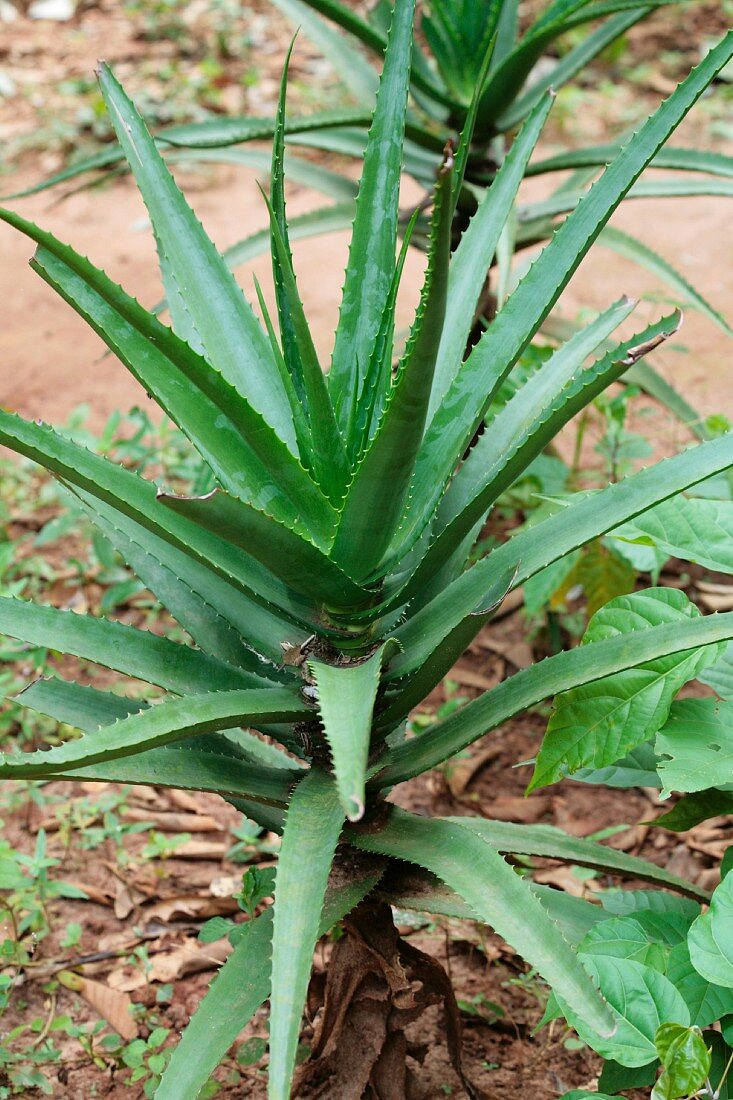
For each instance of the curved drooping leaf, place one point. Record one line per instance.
(706, 1001)
(710, 940)
(696, 746)
(720, 675)
(685, 1061)
(228, 330)
(85, 708)
(238, 990)
(671, 156)
(594, 725)
(312, 828)
(530, 686)
(497, 895)
(691, 528)
(160, 725)
(637, 769)
(696, 808)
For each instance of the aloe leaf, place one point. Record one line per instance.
(290, 554)
(228, 330)
(535, 548)
(173, 720)
(133, 496)
(312, 828)
(497, 895)
(381, 479)
(316, 223)
(566, 200)
(137, 653)
(695, 746)
(696, 530)
(594, 725)
(530, 686)
(573, 62)
(474, 255)
(483, 372)
(219, 618)
(623, 244)
(551, 843)
(356, 73)
(239, 988)
(86, 708)
(346, 697)
(375, 224)
(671, 156)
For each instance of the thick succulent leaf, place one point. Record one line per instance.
(696, 746)
(488, 364)
(221, 620)
(375, 225)
(551, 843)
(624, 244)
(566, 68)
(596, 724)
(641, 999)
(135, 497)
(86, 708)
(720, 675)
(170, 721)
(346, 697)
(243, 451)
(498, 896)
(316, 223)
(381, 480)
(696, 530)
(137, 653)
(228, 330)
(355, 72)
(536, 547)
(312, 828)
(710, 940)
(223, 131)
(706, 1001)
(298, 562)
(475, 253)
(565, 200)
(671, 156)
(530, 686)
(238, 990)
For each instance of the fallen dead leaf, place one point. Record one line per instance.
(174, 822)
(201, 849)
(508, 807)
(462, 774)
(564, 878)
(193, 907)
(185, 801)
(113, 1005)
(469, 677)
(168, 966)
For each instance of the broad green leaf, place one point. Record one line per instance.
(497, 895)
(617, 1077)
(538, 546)
(381, 480)
(346, 697)
(596, 724)
(530, 686)
(240, 987)
(624, 938)
(375, 225)
(710, 940)
(160, 725)
(300, 563)
(685, 1061)
(478, 380)
(638, 769)
(696, 746)
(312, 830)
(137, 653)
(551, 843)
(640, 999)
(693, 809)
(475, 253)
(706, 1001)
(720, 675)
(229, 332)
(693, 529)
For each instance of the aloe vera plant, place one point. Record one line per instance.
(323, 580)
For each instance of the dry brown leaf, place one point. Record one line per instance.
(191, 958)
(113, 1005)
(517, 653)
(174, 822)
(226, 886)
(564, 878)
(185, 801)
(462, 774)
(469, 677)
(508, 807)
(201, 849)
(192, 906)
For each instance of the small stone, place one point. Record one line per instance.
(58, 11)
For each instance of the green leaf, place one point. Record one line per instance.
(720, 675)
(497, 895)
(229, 332)
(478, 380)
(530, 686)
(624, 938)
(86, 708)
(312, 830)
(710, 940)
(671, 156)
(240, 987)
(356, 73)
(685, 1060)
(638, 769)
(693, 529)
(375, 225)
(137, 653)
(169, 721)
(640, 999)
(696, 746)
(475, 253)
(550, 843)
(381, 480)
(596, 724)
(706, 1001)
(346, 697)
(694, 809)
